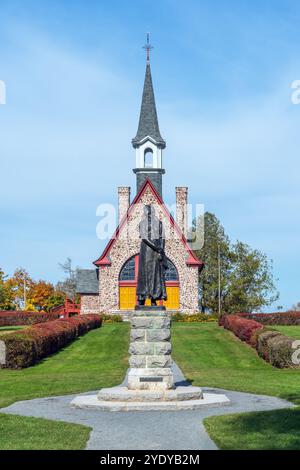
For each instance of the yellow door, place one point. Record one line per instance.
(127, 298)
(172, 302)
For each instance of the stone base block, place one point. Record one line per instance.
(150, 379)
(124, 394)
(154, 348)
(92, 402)
(150, 361)
(150, 335)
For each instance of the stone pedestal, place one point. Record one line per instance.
(150, 385)
(150, 348)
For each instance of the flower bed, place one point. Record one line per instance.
(276, 318)
(194, 317)
(25, 348)
(272, 346)
(20, 318)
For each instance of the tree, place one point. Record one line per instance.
(5, 294)
(39, 294)
(56, 299)
(246, 275)
(296, 307)
(68, 286)
(215, 240)
(250, 283)
(19, 286)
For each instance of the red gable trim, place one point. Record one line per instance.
(104, 260)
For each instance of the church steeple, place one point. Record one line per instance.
(148, 141)
(148, 123)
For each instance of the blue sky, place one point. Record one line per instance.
(222, 73)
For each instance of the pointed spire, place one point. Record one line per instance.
(148, 123)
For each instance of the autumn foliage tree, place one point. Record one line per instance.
(39, 295)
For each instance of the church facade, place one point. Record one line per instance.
(111, 286)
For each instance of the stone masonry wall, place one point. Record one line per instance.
(181, 209)
(124, 201)
(128, 244)
(89, 303)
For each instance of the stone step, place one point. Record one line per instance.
(124, 394)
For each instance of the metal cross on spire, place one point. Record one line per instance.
(148, 47)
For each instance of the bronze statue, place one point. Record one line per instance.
(152, 259)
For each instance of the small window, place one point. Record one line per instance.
(148, 158)
(128, 271)
(171, 273)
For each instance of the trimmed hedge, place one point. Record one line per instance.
(272, 346)
(20, 318)
(241, 327)
(277, 318)
(26, 347)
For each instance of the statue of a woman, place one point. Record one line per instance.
(152, 260)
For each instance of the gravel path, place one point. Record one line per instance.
(148, 430)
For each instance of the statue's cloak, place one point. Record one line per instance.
(152, 260)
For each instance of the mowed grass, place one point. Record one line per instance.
(23, 433)
(211, 356)
(98, 359)
(4, 330)
(292, 331)
(268, 430)
(11, 328)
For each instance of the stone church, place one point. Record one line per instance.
(111, 286)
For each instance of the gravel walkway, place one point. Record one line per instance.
(148, 430)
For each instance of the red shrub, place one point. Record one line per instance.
(241, 327)
(272, 346)
(24, 348)
(18, 318)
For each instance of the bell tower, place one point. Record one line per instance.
(148, 142)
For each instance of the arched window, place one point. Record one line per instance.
(128, 271)
(171, 273)
(148, 158)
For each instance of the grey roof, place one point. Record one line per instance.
(87, 281)
(148, 124)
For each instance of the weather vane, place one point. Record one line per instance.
(148, 47)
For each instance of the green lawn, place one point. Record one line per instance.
(270, 430)
(214, 357)
(23, 433)
(96, 360)
(293, 331)
(11, 328)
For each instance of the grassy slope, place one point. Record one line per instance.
(98, 359)
(292, 331)
(23, 433)
(212, 356)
